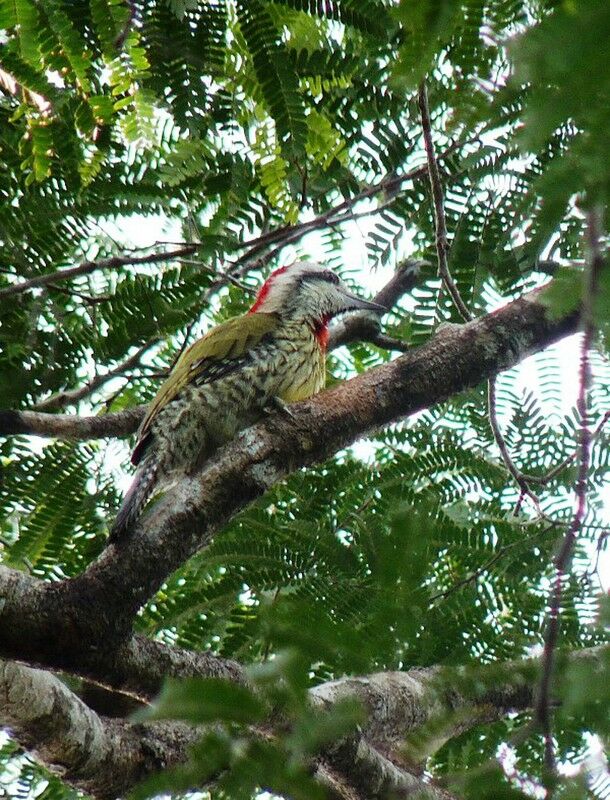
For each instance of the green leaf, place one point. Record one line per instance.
(427, 24)
(557, 58)
(27, 17)
(200, 700)
(275, 75)
(73, 47)
(564, 293)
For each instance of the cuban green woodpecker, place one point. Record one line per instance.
(227, 379)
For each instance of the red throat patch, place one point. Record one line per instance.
(321, 333)
(263, 292)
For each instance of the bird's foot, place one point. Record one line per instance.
(276, 403)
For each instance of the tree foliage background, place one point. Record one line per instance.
(249, 121)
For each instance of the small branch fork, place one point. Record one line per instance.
(562, 560)
(72, 396)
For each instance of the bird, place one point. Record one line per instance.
(232, 376)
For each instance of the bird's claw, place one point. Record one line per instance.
(276, 403)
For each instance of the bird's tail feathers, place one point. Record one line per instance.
(138, 493)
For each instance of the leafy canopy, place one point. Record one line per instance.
(221, 121)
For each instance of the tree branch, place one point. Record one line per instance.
(72, 396)
(87, 267)
(61, 625)
(360, 325)
(100, 756)
(70, 426)
(186, 519)
(106, 757)
(135, 665)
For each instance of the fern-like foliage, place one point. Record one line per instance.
(215, 122)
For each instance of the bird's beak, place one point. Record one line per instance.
(355, 303)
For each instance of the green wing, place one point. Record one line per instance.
(228, 342)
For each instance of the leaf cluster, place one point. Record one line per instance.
(216, 122)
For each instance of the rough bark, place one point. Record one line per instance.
(31, 631)
(103, 757)
(84, 625)
(68, 426)
(106, 757)
(61, 624)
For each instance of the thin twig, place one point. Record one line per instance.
(284, 235)
(389, 343)
(519, 477)
(543, 479)
(289, 233)
(71, 396)
(502, 446)
(490, 563)
(120, 39)
(89, 300)
(442, 244)
(87, 267)
(542, 708)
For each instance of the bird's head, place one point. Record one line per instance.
(308, 291)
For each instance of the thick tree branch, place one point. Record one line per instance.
(400, 704)
(186, 519)
(136, 665)
(62, 624)
(100, 756)
(106, 757)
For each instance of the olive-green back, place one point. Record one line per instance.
(229, 341)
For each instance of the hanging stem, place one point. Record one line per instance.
(442, 244)
(562, 560)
